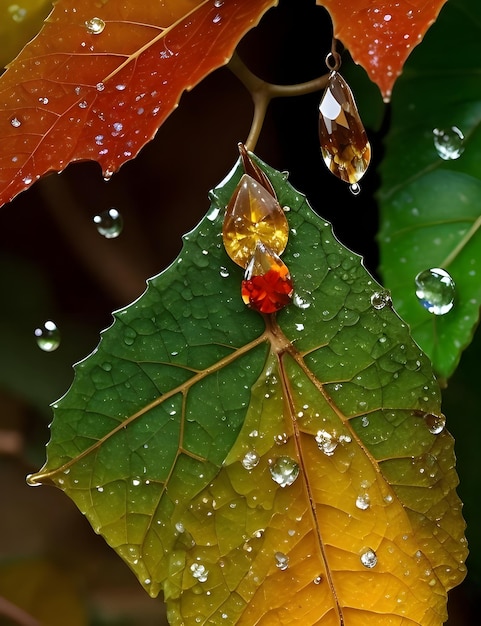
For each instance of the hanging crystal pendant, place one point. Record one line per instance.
(345, 148)
(267, 286)
(253, 215)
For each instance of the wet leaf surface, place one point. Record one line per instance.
(430, 214)
(380, 36)
(288, 469)
(99, 80)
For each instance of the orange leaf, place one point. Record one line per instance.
(381, 35)
(100, 79)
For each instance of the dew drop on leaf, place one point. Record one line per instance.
(380, 299)
(435, 423)
(95, 25)
(199, 572)
(326, 441)
(284, 471)
(282, 560)
(369, 558)
(15, 122)
(109, 223)
(48, 336)
(448, 142)
(362, 502)
(435, 290)
(250, 460)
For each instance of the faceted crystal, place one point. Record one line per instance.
(344, 144)
(267, 285)
(253, 215)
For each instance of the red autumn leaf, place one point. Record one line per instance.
(100, 79)
(381, 35)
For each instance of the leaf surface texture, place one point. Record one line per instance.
(266, 470)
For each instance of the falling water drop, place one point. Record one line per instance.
(355, 189)
(369, 558)
(284, 471)
(48, 336)
(435, 290)
(448, 142)
(95, 25)
(109, 223)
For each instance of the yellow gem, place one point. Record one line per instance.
(253, 215)
(344, 144)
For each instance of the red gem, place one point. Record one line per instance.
(267, 286)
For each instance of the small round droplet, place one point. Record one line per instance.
(95, 25)
(15, 122)
(435, 290)
(199, 572)
(48, 336)
(284, 471)
(448, 142)
(363, 502)
(250, 460)
(380, 299)
(282, 560)
(435, 423)
(355, 189)
(109, 223)
(369, 558)
(100, 86)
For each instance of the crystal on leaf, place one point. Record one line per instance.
(253, 215)
(267, 286)
(345, 148)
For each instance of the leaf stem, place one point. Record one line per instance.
(263, 92)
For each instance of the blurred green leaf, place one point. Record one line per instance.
(430, 207)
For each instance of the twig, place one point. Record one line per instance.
(263, 92)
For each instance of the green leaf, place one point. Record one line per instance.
(430, 213)
(266, 469)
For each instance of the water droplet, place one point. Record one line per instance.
(363, 502)
(435, 290)
(179, 527)
(224, 272)
(43, 100)
(380, 299)
(448, 142)
(435, 423)
(284, 471)
(199, 572)
(369, 558)
(250, 460)
(217, 18)
(95, 25)
(282, 560)
(48, 336)
(100, 86)
(317, 580)
(109, 223)
(15, 122)
(326, 441)
(281, 439)
(300, 301)
(218, 3)
(355, 189)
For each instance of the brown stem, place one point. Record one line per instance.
(262, 93)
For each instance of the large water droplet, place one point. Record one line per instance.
(48, 336)
(363, 502)
(435, 290)
(448, 142)
(95, 25)
(109, 223)
(369, 558)
(326, 441)
(282, 560)
(284, 471)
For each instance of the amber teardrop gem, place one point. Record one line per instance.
(267, 286)
(253, 215)
(344, 144)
